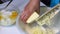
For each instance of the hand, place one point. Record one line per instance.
(29, 9)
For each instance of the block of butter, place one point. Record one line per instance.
(32, 17)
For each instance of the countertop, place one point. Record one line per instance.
(10, 30)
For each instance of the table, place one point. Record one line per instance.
(11, 30)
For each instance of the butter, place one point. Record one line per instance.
(32, 17)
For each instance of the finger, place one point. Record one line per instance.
(25, 18)
(22, 15)
(27, 15)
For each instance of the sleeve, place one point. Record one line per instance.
(50, 3)
(54, 2)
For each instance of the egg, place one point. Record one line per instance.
(1, 17)
(13, 15)
(8, 17)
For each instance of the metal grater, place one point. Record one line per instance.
(47, 16)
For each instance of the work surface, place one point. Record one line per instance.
(10, 30)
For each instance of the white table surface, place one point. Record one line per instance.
(10, 30)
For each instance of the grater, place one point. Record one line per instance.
(47, 16)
